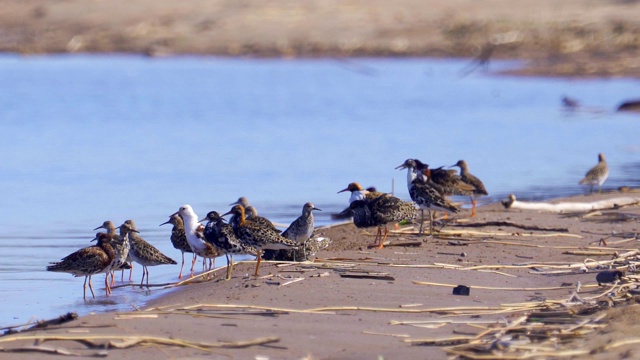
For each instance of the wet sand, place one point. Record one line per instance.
(568, 38)
(356, 318)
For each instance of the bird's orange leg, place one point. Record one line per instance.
(259, 256)
(473, 208)
(91, 287)
(386, 233)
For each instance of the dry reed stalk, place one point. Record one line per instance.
(127, 341)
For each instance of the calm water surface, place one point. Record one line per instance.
(91, 138)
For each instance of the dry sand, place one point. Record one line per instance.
(568, 38)
(363, 328)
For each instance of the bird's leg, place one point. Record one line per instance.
(84, 288)
(146, 270)
(91, 287)
(193, 264)
(113, 277)
(259, 257)
(143, 273)
(431, 223)
(386, 233)
(130, 273)
(421, 221)
(377, 238)
(229, 264)
(473, 207)
(181, 267)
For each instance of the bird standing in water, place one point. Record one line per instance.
(597, 175)
(87, 262)
(179, 240)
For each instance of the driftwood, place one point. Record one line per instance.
(127, 341)
(564, 207)
(370, 276)
(512, 224)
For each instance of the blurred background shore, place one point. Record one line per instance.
(568, 38)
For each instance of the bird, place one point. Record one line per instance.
(570, 104)
(179, 240)
(597, 175)
(380, 211)
(251, 213)
(424, 194)
(221, 235)
(357, 193)
(447, 182)
(241, 201)
(87, 262)
(194, 233)
(122, 250)
(257, 235)
(300, 230)
(141, 251)
(469, 178)
(360, 193)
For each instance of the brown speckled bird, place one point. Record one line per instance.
(469, 178)
(142, 252)
(425, 195)
(87, 262)
(380, 211)
(597, 175)
(179, 239)
(257, 235)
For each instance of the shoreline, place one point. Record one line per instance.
(311, 310)
(570, 39)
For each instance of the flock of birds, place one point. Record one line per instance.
(248, 233)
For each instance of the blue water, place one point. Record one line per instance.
(91, 138)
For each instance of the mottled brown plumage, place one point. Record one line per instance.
(120, 262)
(223, 237)
(257, 235)
(597, 175)
(87, 262)
(424, 193)
(379, 212)
(469, 178)
(142, 252)
(179, 239)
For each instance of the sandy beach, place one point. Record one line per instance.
(353, 302)
(568, 38)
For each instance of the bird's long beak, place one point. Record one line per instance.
(166, 222)
(227, 213)
(99, 227)
(94, 239)
(400, 167)
(343, 190)
(202, 220)
(315, 208)
(175, 213)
